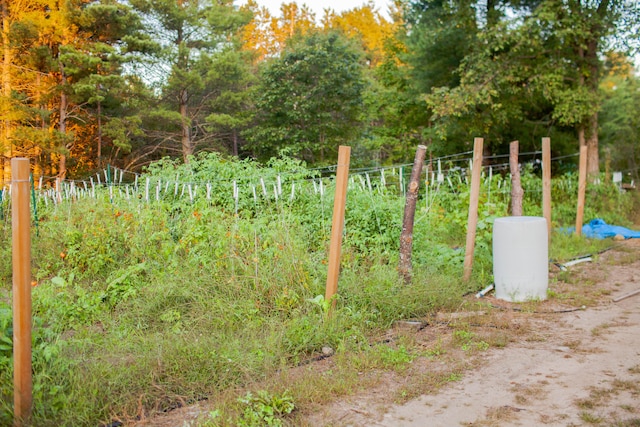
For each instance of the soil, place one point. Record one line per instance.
(572, 360)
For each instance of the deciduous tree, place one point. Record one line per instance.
(310, 98)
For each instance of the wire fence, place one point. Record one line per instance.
(446, 174)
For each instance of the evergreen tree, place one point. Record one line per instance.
(189, 33)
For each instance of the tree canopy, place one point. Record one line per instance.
(87, 83)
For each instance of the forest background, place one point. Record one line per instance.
(87, 84)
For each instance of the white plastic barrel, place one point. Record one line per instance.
(520, 258)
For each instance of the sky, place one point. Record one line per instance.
(318, 6)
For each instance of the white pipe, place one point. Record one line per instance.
(484, 291)
(577, 261)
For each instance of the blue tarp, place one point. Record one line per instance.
(598, 229)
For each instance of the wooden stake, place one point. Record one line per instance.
(472, 221)
(21, 258)
(340, 200)
(516, 187)
(582, 186)
(406, 237)
(546, 183)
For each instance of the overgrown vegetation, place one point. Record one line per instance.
(145, 306)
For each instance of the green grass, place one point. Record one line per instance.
(139, 308)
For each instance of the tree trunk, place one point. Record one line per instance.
(593, 64)
(5, 143)
(235, 143)
(591, 140)
(187, 144)
(62, 125)
(99, 134)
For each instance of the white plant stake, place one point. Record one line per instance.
(362, 183)
(264, 187)
(235, 192)
(489, 191)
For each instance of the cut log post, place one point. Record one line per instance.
(337, 225)
(21, 259)
(472, 221)
(516, 186)
(582, 187)
(546, 183)
(406, 237)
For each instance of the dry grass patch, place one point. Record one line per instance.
(497, 416)
(524, 394)
(634, 369)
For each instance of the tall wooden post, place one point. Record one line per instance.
(472, 221)
(406, 237)
(337, 225)
(546, 183)
(21, 258)
(516, 186)
(582, 186)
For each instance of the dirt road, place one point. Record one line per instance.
(569, 369)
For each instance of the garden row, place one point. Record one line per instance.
(141, 307)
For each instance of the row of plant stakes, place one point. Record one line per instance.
(185, 282)
(282, 186)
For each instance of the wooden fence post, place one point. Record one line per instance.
(472, 221)
(582, 186)
(516, 187)
(546, 183)
(406, 237)
(21, 259)
(337, 225)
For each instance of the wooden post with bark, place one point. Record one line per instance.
(472, 220)
(337, 225)
(582, 187)
(516, 186)
(546, 183)
(21, 259)
(406, 237)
